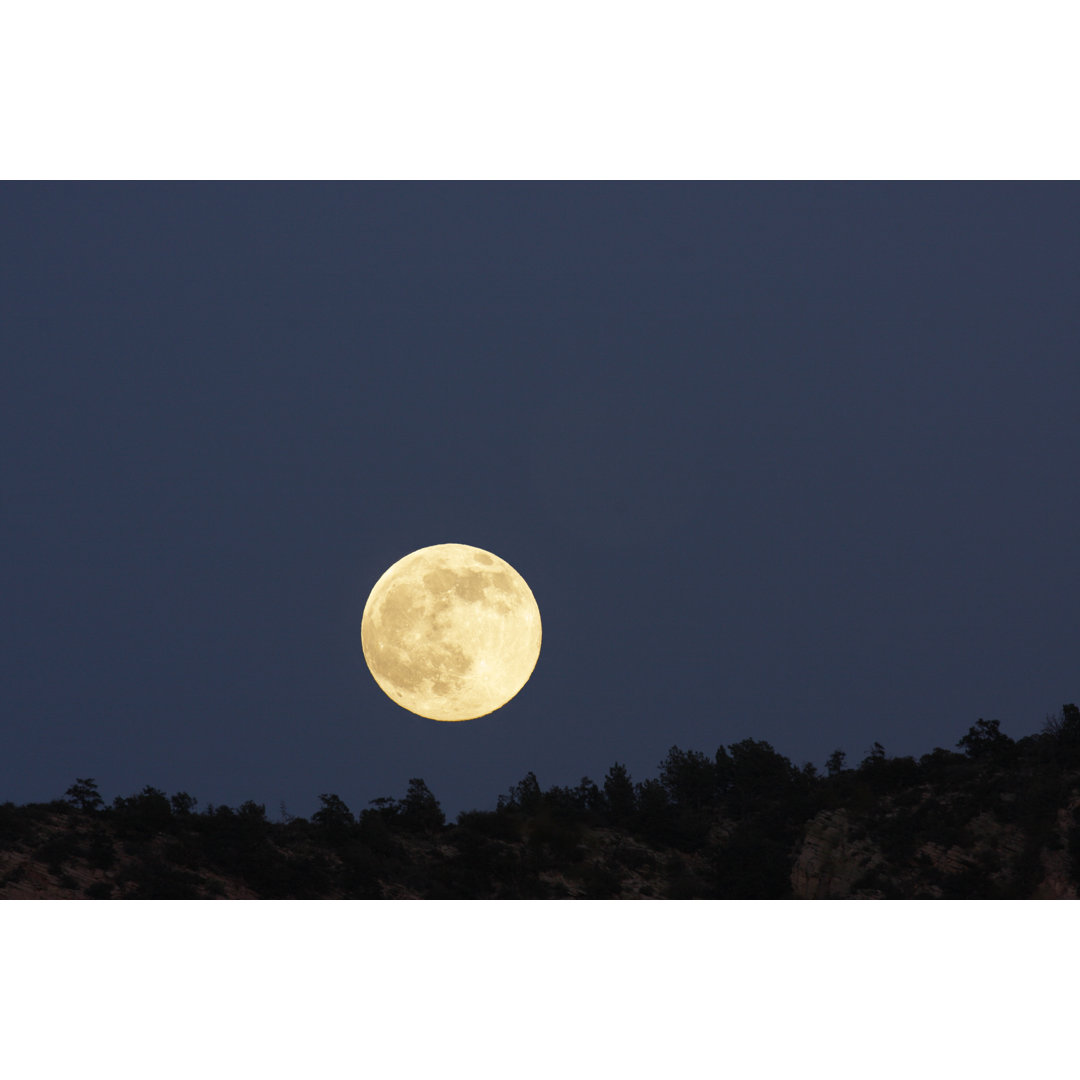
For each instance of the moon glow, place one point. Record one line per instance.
(451, 632)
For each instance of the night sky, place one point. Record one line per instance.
(784, 461)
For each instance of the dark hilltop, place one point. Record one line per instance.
(994, 818)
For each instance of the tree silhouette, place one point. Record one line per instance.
(689, 778)
(759, 775)
(619, 797)
(588, 797)
(986, 740)
(420, 810)
(183, 803)
(655, 818)
(875, 753)
(525, 795)
(144, 814)
(83, 795)
(334, 816)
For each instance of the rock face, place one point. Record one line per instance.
(831, 860)
(1058, 882)
(841, 860)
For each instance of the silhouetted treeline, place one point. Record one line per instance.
(993, 818)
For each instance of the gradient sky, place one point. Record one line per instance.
(787, 461)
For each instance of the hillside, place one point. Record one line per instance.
(993, 819)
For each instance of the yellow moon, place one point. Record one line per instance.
(451, 632)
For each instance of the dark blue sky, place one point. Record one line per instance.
(793, 462)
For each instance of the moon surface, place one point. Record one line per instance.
(451, 632)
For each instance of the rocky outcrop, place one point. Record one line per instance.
(1058, 883)
(841, 860)
(831, 860)
(32, 871)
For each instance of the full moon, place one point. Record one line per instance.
(451, 632)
